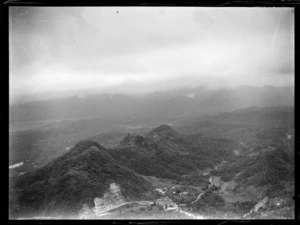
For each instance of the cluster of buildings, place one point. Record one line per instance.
(161, 190)
(166, 203)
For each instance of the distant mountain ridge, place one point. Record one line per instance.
(157, 136)
(164, 131)
(153, 106)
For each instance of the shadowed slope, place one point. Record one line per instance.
(77, 177)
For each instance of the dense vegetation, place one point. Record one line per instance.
(254, 148)
(167, 154)
(73, 179)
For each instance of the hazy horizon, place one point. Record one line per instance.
(151, 113)
(184, 91)
(59, 50)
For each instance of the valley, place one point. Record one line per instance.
(216, 167)
(151, 113)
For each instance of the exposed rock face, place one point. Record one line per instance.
(86, 212)
(110, 199)
(261, 204)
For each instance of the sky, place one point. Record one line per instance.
(144, 49)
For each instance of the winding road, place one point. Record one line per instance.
(177, 208)
(199, 196)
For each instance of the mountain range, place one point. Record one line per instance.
(234, 159)
(171, 104)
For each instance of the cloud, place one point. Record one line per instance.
(57, 49)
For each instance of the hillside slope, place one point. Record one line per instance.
(165, 153)
(74, 179)
(239, 163)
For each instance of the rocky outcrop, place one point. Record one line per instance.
(111, 199)
(261, 204)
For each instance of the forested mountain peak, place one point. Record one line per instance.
(164, 131)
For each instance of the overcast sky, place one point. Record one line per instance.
(138, 49)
